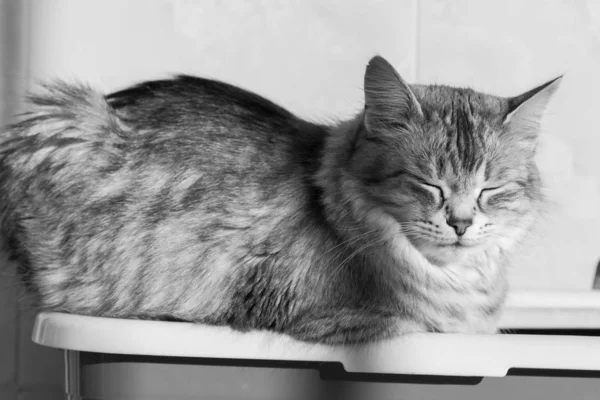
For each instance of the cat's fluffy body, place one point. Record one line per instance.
(193, 200)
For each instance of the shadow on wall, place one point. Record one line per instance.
(27, 371)
(13, 53)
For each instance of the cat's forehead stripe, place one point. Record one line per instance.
(464, 142)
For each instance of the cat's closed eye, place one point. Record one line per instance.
(495, 195)
(436, 191)
(489, 190)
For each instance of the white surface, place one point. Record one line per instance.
(552, 310)
(424, 353)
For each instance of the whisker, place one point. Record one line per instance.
(353, 254)
(346, 244)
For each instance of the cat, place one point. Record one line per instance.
(193, 200)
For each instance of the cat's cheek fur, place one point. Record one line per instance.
(511, 235)
(512, 222)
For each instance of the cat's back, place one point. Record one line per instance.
(187, 103)
(218, 125)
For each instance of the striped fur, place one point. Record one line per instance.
(194, 200)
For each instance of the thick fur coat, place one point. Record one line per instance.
(191, 199)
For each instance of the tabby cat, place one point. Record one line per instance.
(190, 199)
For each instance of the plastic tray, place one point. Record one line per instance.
(132, 359)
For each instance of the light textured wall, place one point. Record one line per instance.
(309, 55)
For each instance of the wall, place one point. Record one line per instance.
(27, 371)
(309, 55)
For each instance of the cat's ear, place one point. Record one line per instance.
(388, 98)
(525, 111)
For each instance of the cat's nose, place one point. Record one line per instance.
(460, 225)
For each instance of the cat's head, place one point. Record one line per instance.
(453, 166)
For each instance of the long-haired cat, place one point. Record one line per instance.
(194, 200)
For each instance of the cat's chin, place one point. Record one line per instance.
(444, 254)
